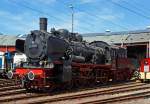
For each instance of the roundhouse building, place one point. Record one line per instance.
(136, 42)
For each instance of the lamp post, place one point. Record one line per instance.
(72, 10)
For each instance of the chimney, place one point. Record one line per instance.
(43, 24)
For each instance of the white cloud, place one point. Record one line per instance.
(17, 23)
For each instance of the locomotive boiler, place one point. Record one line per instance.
(63, 58)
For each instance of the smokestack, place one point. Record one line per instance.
(43, 24)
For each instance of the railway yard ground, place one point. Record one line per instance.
(131, 92)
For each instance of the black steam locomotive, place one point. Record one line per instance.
(62, 57)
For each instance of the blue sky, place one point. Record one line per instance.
(22, 16)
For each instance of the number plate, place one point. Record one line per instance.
(146, 68)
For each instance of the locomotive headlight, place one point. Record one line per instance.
(31, 75)
(51, 65)
(10, 74)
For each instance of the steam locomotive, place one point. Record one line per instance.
(60, 58)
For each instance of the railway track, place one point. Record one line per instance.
(12, 93)
(109, 85)
(9, 88)
(120, 98)
(96, 93)
(6, 82)
(45, 98)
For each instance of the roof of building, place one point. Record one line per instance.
(8, 40)
(118, 33)
(120, 37)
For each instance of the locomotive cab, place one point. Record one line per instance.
(145, 69)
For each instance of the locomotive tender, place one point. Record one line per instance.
(60, 58)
